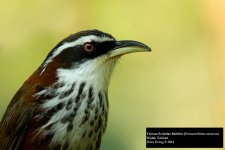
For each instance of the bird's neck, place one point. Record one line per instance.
(79, 106)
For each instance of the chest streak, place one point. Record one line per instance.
(77, 114)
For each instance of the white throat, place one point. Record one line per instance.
(93, 71)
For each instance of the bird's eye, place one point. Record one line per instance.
(88, 47)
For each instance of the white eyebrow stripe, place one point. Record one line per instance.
(79, 41)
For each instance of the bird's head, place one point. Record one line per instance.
(87, 55)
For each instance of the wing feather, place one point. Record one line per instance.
(14, 122)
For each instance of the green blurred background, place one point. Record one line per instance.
(181, 83)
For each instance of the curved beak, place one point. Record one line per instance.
(128, 46)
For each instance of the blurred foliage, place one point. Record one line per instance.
(180, 84)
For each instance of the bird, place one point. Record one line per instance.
(64, 104)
